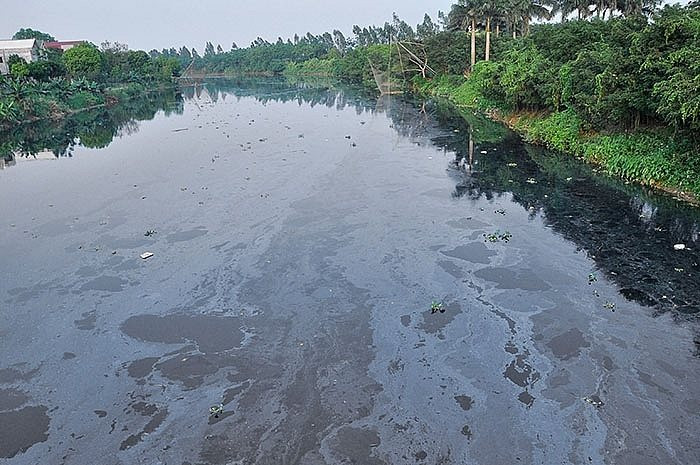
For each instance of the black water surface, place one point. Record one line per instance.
(301, 232)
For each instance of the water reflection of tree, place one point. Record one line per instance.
(92, 129)
(321, 92)
(627, 231)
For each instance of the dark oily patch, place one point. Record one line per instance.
(100, 413)
(87, 322)
(406, 320)
(144, 408)
(189, 370)
(142, 367)
(568, 345)
(12, 398)
(150, 427)
(105, 283)
(183, 236)
(435, 322)
(465, 402)
(559, 378)
(505, 278)
(639, 296)
(68, 355)
(210, 333)
(21, 429)
(526, 398)
(11, 375)
(451, 269)
(520, 372)
(231, 393)
(475, 252)
(356, 445)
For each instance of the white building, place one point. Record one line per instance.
(28, 49)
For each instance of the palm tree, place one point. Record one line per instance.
(534, 9)
(566, 7)
(489, 9)
(637, 7)
(463, 16)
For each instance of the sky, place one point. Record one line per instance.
(149, 24)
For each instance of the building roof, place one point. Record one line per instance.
(60, 43)
(14, 44)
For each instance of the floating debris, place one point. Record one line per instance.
(150, 232)
(216, 410)
(594, 400)
(679, 247)
(592, 278)
(531, 181)
(512, 165)
(146, 255)
(500, 211)
(679, 270)
(347, 137)
(498, 236)
(610, 306)
(436, 307)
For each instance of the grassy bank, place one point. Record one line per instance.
(28, 102)
(652, 156)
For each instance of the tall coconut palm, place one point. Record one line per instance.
(489, 9)
(566, 7)
(637, 7)
(534, 9)
(463, 16)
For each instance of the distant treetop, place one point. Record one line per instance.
(32, 34)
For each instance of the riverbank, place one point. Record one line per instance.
(68, 98)
(654, 157)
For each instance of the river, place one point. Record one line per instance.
(335, 278)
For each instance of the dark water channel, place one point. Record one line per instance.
(299, 235)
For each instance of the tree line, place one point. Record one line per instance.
(80, 77)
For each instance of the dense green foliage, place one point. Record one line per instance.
(81, 77)
(616, 82)
(29, 33)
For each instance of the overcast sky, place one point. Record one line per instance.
(148, 24)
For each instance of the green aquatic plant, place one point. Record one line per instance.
(436, 307)
(216, 410)
(498, 236)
